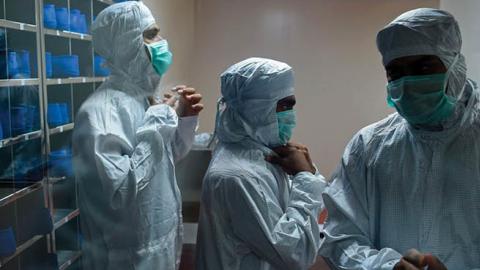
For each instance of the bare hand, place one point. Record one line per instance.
(189, 102)
(168, 98)
(293, 158)
(434, 263)
(405, 265)
(184, 100)
(413, 258)
(153, 101)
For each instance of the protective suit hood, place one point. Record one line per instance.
(118, 37)
(250, 92)
(251, 218)
(426, 31)
(390, 173)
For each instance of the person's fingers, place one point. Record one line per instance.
(399, 266)
(294, 144)
(434, 263)
(195, 98)
(298, 150)
(186, 91)
(171, 101)
(305, 151)
(405, 265)
(167, 96)
(197, 107)
(300, 147)
(274, 159)
(178, 87)
(193, 95)
(414, 257)
(297, 145)
(282, 150)
(409, 266)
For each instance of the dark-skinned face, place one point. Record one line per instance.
(414, 65)
(286, 103)
(151, 35)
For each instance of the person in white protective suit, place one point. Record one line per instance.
(407, 192)
(126, 145)
(259, 208)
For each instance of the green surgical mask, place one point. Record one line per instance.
(287, 120)
(421, 99)
(160, 56)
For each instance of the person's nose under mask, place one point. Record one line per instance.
(160, 55)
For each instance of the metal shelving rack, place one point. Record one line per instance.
(58, 193)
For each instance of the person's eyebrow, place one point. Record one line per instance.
(392, 65)
(429, 59)
(288, 102)
(150, 33)
(292, 102)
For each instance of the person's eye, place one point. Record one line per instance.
(425, 68)
(393, 76)
(151, 35)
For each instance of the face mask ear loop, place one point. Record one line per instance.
(148, 51)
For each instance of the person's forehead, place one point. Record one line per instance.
(152, 33)
(288, 100)
(413, 60)
(152, 28)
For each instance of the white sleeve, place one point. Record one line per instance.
(184, 136)
(286, 239)
(126, 166)
(347, 243)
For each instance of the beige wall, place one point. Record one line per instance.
(176, 21)
(331, 46)
(466, 13)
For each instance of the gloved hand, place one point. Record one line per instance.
(293, 158)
